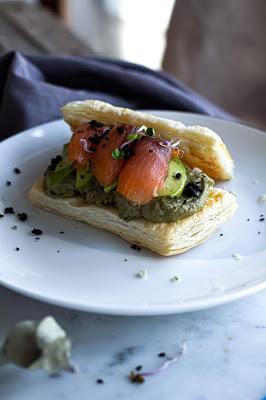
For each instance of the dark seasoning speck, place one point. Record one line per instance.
(17, 171)
(9, 210)
(36, 231)
(135, 247)
(22, 216)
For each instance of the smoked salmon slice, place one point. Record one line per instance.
(104, 167)
(144, 172)
(78, 146)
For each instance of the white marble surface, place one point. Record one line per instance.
(226, 357)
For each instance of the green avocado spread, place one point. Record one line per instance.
(160, 209)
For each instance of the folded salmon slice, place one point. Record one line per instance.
(144, 172)
(78, 145)
(104, 167)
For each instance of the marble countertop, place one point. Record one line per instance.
(225, 360)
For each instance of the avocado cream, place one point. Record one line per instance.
(160, 209)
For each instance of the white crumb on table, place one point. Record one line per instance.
(218, 287)
(262, 199)
(142, 274)
(237, 256)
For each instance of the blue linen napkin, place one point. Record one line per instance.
(33, 88)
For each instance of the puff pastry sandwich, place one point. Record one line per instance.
(147, 179)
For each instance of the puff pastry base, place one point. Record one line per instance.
(164, 238)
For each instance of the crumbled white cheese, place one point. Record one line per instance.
(237, 256)
(174, 278)
(255, 181)
(142, 274)
(197, 170)
(262, 199)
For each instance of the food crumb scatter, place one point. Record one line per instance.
(237, 256)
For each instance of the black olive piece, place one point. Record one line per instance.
(192, 190)
(22, 216)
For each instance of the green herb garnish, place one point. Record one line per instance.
(111, 187)
(175, 278)
(150, 132)
(134, 136)
(118, 154)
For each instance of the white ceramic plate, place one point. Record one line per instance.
(86, 269)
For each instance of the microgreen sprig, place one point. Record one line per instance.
(118, 154)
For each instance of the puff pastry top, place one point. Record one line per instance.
(202, 147)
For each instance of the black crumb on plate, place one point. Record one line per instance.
(162, 354)
(9, 210)
(22, 216)
(8, 183)
(261, 219)
(99, 381)
(61, 232)
(135, 247)
(17, 249)
(14, 227)
(138, 368)
(1, 215)
(221, 234)
(36, 231)
(17, 171)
